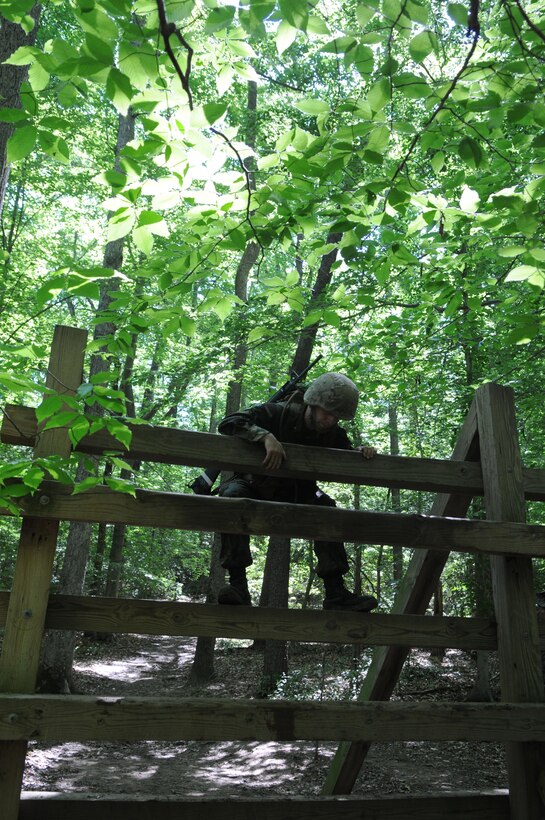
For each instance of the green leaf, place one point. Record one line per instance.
(203, 116)
(521, 272)
(364, 13)
(313, 106)
(219, 18)
(413, 86)
(12, 115)
(121, 486)
(223, 308)
(21, 143)
(33, 478)
(261, 9)
(340, 45)
(119, 90)
(87, 484)
(523, 335)
(417, 11)
(187, 326)
(24, 55)
(362, 58)
(15, 491)
(511, 251)
(99, 49)
(437, 161)
(470, 152)
(379, 94)
(62, 419)
(458, 12)
(537, 253)
(422, 45)
(120, 223)
(119, 431)
(49, 406)
(379, 139)
(454, 304)
(295, 12)
(285, 36)
(143, 239)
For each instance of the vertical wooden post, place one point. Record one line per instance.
(514, 594)
(33, 568)
(421, 578)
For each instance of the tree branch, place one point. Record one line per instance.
(167, 30)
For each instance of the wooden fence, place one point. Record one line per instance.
(486, 461)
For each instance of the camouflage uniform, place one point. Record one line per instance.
(285, 420)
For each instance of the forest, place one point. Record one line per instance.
(220, 192)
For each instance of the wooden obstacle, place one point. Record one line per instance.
(486, 461)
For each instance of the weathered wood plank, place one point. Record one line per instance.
(171, 446)
(192, 512)
(446, 806)
(314, 626)
(512, 580)
(32, 579)
(413, 597)
(56, 718)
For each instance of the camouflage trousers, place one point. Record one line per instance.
(235, 548)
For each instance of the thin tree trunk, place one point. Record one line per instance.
(55, 673)
(203, 662)
(275, 656)
(12, 37)
(202, 668)
(397, 552)
(307, 336)
(276, 575)
(58, 653)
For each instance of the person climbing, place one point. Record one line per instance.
(310, 418)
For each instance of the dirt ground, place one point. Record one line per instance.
(159, 666)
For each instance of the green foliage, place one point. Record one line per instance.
(383, 137)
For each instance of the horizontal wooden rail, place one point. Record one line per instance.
(171, 446)
(447, 806)
(192, 512)
(312, 626)
(81, 718)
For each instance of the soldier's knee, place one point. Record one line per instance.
(235, 489)
(324, 500)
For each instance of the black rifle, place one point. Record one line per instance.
(205, 481)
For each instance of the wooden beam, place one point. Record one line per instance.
(492, 805)
(172, 446)
(32, 579)
(413, 597)
(315, 626)
(514, 598)
(59, 718)
(193, 512)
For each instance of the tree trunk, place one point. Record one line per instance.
(202, 668)
(307, 336)
(397, 552)
(58, 654)
(276, 576)
(12, 37)
(203, 661)
(55, 674)
(275, 656)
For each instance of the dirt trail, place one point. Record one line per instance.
(159, 666)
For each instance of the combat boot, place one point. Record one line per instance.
(337, 596)
(235, 593)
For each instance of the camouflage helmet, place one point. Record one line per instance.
(334, 393)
